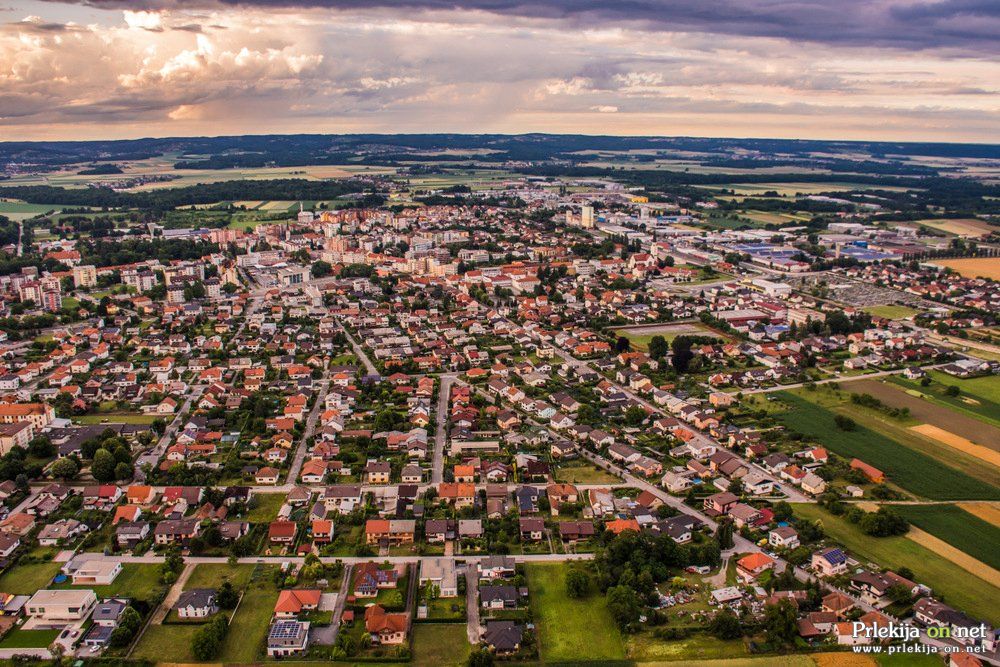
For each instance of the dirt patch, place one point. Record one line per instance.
(956, 556)
(958, 442)
(986, 511)
(977, 267)
(843, 660)
(978, 432)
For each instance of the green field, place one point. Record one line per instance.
(444, 644)
(19, 638)
(584, 473)
(644, 648)
(112, 418)
(910, 469)
(211, 575)
(960, 588)
(891, 312)
(28, 578)
(570, 629)
(980, 539)
(266, 506)
(248, 629)
(984, 388)
(167, 643)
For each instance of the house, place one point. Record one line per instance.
(377, 472)
(107, 612)
(496, 567)
(440, 530)
(342, 498)
(59, 531)
(390, 532)
(440, 572)
(837, 604)
(386, 628)
(829, 562)
(61, 606)
(369, 578)
(783, 537)
(559, 494)
(93, 572)
(130, 533)
(282, 531)
(286, 638)
(498, 597)
(292, 602)
(531, 529)
(872, 588)
(8, 545)
(175, 530)
(196, 603)
(503, 637)
(267, 476)
(719, 503)
(572, 532)
(753, 565)
(874, 475)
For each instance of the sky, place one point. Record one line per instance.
(907, 70)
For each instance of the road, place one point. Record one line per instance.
(327, 636)
(153, 456)
(441, 430)
(359, 351)
(473, 628)
(869, 376)
(311, 421)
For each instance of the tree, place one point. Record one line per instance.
(123, 471)
(577, 583)
(780, 622)
(41, 447)
(65, 468)
(103, 466)
(623, 603)
(725, 625)
(681, 359)
(207, 642)
(658, 347)
(883, 522)
(952, 390)
(635, 415)
(623, 344)
(480, 657)
(128, 625)
(321, 269)
(844, 423)
(227, 597)
(724, 534)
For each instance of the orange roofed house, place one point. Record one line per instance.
(753, 565)
(386, 628)
(293, 602)
(873, 474)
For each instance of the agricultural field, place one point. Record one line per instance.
(570, 629)
(19, 210)
(978, 267)
(891, 312)
(969, 227)
(967, 592)
(976, 537)
(907, 465)
(968, 402)
(791, 189)
(930, 412)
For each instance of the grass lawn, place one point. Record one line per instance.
(18, 638)
(960, 588)
(167, 643)
(584, 473)
(570, 629)
(267, 506)
(249, 626)
(643, 647)
(441, 608)
(445, 644)
(27, 579)
(115, 418)
(987, 387)
(910, 469)
(980, 539)
(138, 581)
(211, 575)
(891, 312)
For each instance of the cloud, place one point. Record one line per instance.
(220, 68)
(964, 24)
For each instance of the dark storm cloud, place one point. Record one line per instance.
(965, 24)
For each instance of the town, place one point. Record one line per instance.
(474, 416)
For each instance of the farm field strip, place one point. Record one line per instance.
(958, 442)
(960, 529)
(956, 556)
(989, 512)
(976, 267)
(907, 467)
